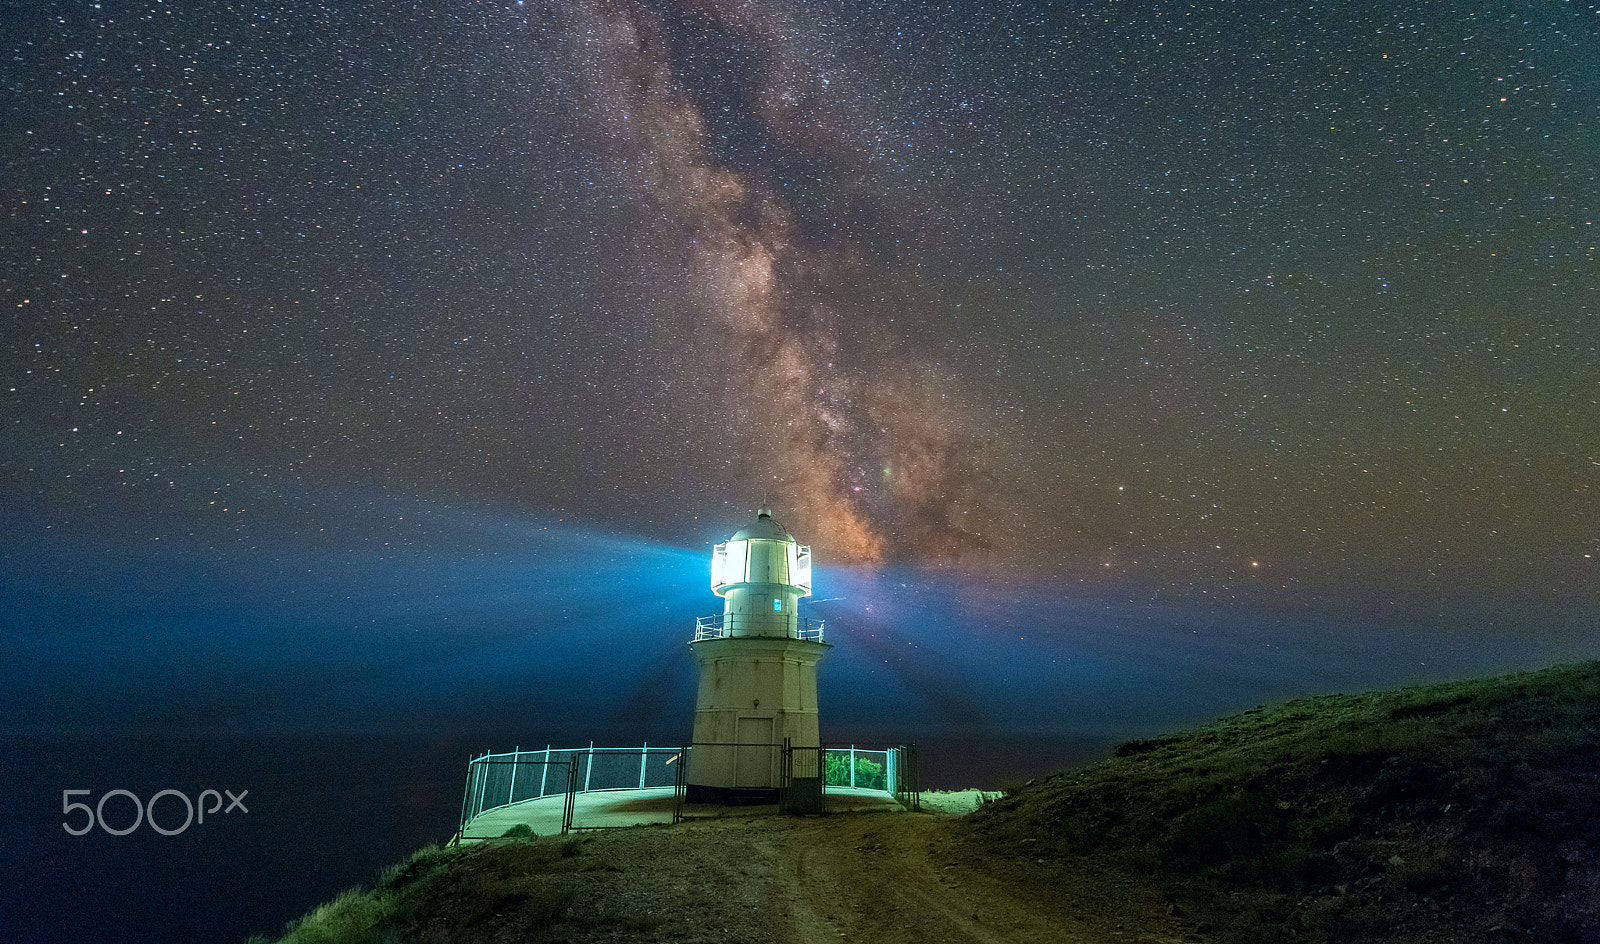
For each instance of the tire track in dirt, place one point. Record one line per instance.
(873, 878)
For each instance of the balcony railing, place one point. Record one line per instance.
(711, 627)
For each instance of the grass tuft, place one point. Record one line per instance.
(354, 917)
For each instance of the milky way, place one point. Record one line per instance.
(850, 432)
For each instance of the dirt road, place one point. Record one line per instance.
(905, 880)
(885, 878)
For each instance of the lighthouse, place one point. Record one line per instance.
(756, 711)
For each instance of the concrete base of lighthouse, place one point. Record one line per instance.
(756, 692)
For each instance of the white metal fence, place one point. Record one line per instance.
(500, 780)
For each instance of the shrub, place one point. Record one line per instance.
(869, 773)
(1243, 833)
(422, 863)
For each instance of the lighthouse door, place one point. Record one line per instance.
(757, 754)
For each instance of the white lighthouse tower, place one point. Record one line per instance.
(758, 670)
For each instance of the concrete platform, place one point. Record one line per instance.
(614, 808)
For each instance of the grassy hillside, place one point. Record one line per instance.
(1463, 812)
(476, 894)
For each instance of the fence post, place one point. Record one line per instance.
(680, 777)
(516, 757)
(644, 756)
(478, 784)
(477, 789)
(467, 796)
(572, 787)
(588, 768)
(852, 766)
(544, 775)
(477, 792)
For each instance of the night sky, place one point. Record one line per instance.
(1199, 296)
(390, 368)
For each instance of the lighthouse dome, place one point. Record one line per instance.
(765, 527)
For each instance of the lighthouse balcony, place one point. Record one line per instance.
(713, 627)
